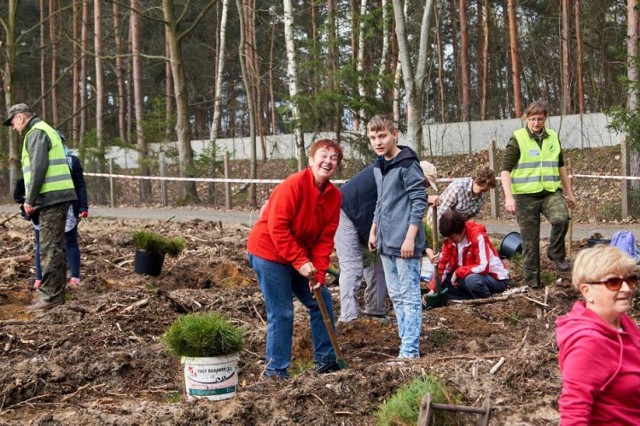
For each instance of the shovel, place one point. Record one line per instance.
(327, 322)
(439, 298)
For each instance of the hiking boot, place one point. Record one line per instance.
(37, 284)
(43, 306)
(74, 282)
(562, 265)
(329, 367)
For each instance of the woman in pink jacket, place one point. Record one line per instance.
(599, 344)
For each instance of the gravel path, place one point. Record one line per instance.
(183, 214)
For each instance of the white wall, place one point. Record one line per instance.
(586, 131)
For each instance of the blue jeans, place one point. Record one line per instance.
(474, 286)
(403, 285)
(73, 252)
(279, 283)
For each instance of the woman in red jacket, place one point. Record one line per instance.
(469, 265)
(599, 344)
(289, 248)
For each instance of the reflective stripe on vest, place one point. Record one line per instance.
(537, 169)
(58, 176)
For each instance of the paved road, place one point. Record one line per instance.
(580, 230)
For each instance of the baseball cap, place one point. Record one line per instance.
(430, 173)
(16, 109)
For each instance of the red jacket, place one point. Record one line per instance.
(600, 369)
(298, 224)
(479, 256)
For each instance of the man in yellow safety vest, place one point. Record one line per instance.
(48, 192)
(533, 177)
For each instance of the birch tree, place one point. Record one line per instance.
(360, 64)
(515, 58)
(99, 76)
(413, 79)
(464, 62)
(292, 78)
(217, 95)
(565, 107)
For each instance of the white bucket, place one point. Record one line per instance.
(213, 378)
(426, 269)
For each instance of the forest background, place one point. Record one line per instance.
(130, 73)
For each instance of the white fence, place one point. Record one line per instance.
(575, 131)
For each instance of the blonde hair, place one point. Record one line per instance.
(381, 122)
(594, 264)
(536, 108)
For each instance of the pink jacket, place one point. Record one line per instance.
(479, 256)
(600, 369)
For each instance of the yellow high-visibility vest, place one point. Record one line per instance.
(58, 176)
(537, 168)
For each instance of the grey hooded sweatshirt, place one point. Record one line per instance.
(402, 201)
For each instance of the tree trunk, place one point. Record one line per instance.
(632, 54)
(144, 185)
(11, 40)
(292, 77)
(168, 88)
(84, 71)
(515, 58)
(484, 75)
(55, 119)
(75, 121)
(441, 89)
(43, 63)
(360, 65)
(464, 62)
(579, 58)
(215, 122)
(384, 55)
(249, 92)
(632, 76)
(122, 105)
(183, 127)
(456, 55)
(100, 96)
(566, 56)
(272, 96)
(334, 55)
(413, 80)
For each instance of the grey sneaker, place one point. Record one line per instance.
(43, 306)
(562, 265)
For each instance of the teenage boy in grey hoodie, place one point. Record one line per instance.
(397, 232)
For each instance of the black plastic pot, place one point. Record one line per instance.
(148, 263)
(595, 241)
(510, 245)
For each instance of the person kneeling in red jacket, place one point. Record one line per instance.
(469, 265)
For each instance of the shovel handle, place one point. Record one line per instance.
(434, 239)
(325, 316)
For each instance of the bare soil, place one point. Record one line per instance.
(99, 360)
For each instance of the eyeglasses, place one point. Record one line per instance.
(614, 283)
(537, 119)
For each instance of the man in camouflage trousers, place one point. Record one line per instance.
(533, 177)
(49, 191)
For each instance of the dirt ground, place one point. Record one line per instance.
(98, 358)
